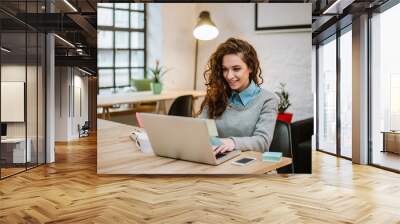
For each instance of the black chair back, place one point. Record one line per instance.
(302, 132)
(86, 126)
(282, 142)
(182, 106)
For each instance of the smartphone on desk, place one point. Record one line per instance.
(244, 161)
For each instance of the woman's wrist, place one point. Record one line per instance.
(234, 142)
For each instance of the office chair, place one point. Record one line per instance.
(182, 106)
(84, 130)
(302, 132)
(282, 142)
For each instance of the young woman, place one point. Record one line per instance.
(245, 114)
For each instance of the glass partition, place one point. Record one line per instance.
(22, 77)
(13, 95)
(31, 98)
(41, 96)
(327, 96)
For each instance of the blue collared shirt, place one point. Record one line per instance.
(244, 97)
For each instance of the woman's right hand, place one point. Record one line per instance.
(227, 146)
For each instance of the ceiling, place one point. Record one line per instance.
(76, 24)
(332, 15)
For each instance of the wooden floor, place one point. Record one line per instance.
(5, 172)
(387, 159)
(70, 191)
(10, 171)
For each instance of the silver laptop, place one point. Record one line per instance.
(182, 138)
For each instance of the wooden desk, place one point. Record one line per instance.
(107, 101)
(391, 141)
(118, 154)
(13, 150)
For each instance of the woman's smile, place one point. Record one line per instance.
(233, 83)
(236, 72)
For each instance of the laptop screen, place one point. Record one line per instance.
(3, 129)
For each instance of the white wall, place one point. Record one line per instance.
(67, 115)
(61, 103)
(284, 57)
(170, 40)
(15, 72)
(80, 84)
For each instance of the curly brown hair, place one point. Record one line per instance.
(218, 90)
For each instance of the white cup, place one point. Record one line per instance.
(144, 143)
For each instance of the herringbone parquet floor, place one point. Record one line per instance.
(70, 191)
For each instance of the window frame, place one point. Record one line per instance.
(334, 37)
(130, 30)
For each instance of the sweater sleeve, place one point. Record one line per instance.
(264, 130)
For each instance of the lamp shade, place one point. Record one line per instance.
(205, 29)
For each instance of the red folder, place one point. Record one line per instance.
(139, 120)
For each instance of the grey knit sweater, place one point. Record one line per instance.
(250, 127)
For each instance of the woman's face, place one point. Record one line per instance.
(236, 72)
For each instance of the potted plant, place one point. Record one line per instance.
(158, 72)
(284, 104)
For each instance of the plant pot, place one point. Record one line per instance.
(156, 87)
(285, 117)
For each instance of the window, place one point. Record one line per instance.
(121, 44)
(346, 75)
(334, 97)
(327, 96)
(385, 89)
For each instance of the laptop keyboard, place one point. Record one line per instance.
(219, 155)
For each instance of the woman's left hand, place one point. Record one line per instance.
(227, 146)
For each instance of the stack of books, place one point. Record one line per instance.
(272, 156)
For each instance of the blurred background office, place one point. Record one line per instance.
(48, 84)
(132, 37)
